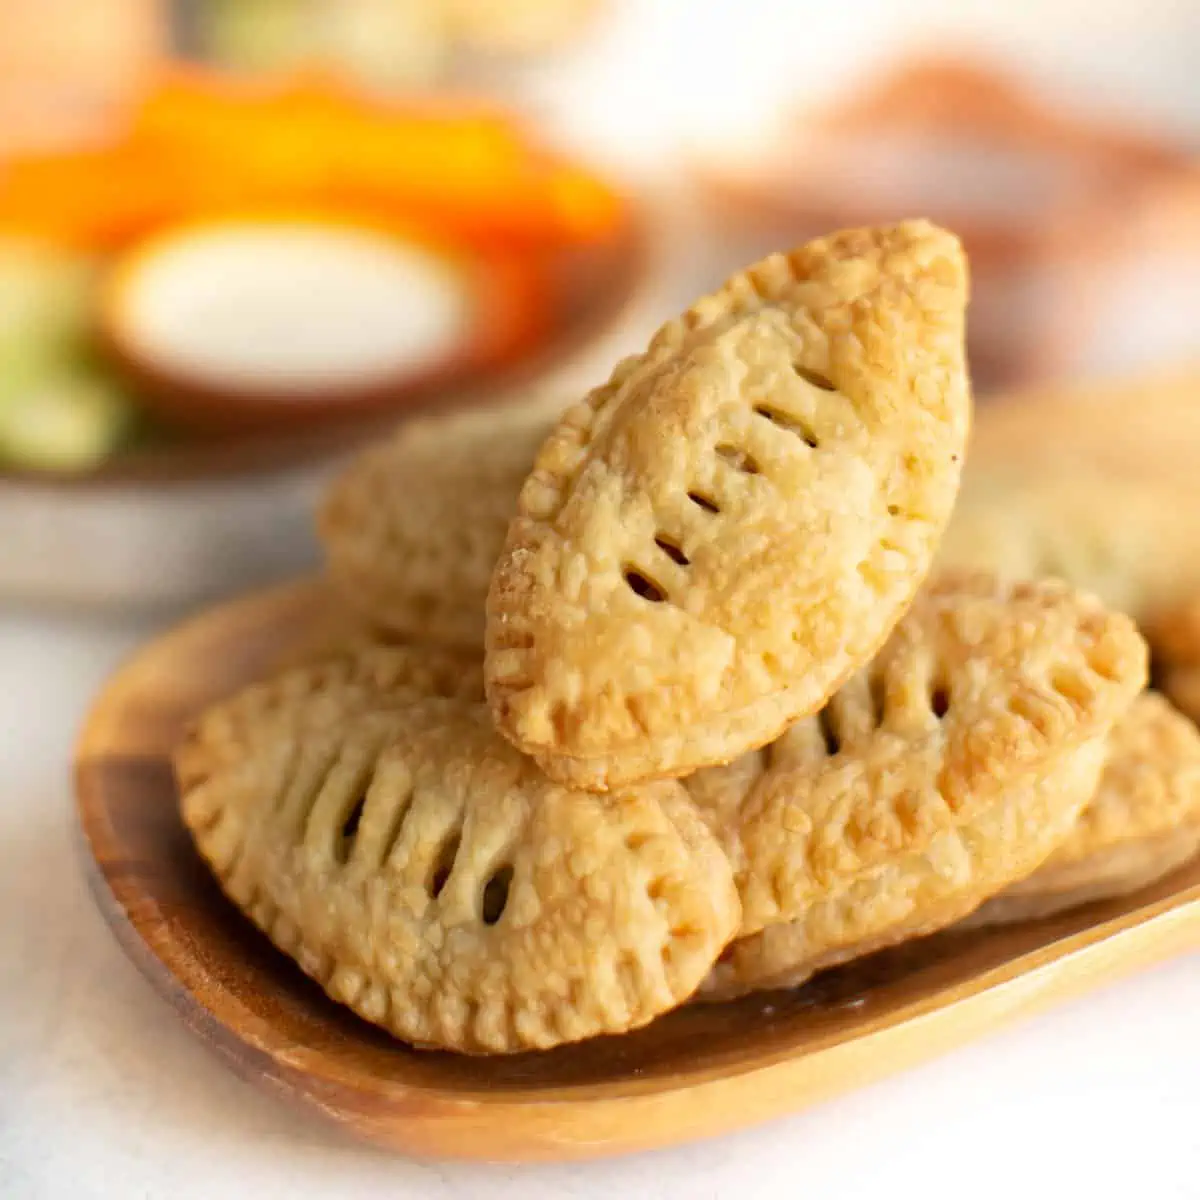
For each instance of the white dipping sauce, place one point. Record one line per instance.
(296, 305)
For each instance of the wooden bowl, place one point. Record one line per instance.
(702, 1070)
(174, 524)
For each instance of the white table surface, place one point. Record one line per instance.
(103, 1093)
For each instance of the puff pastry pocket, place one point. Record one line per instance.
(1142, 823)
(922, 787)
(433, 879)
(732, 524)
(412, 528)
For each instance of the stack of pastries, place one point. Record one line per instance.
(679, 692)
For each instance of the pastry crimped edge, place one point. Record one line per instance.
(887, 262)
(330, 687)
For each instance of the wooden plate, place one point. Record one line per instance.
(699, 1071)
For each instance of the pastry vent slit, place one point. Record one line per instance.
(833, 742)
(815, 378)
(877, 694)
(737, 458)
(345, 842)
(939, 699)
(700, 500)
(672, 550)
(1108, 666)
(642, 585)
(787, 421)
(444, 864)
(1033, 710)
(495, 894)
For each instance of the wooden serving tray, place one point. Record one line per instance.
(699, 1071)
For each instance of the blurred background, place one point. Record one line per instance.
(238, 238)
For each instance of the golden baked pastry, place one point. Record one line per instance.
(412, 528)
(1140, 427)
(320, 694)
(1134, 542)
(723, 532)
(1117, 871)
(1143, 822)
(433, 879)
(1096, 485)
(948, 768)
(919, 893)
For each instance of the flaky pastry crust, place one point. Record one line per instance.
(1094, 483)
(1133, 542)
(920, 893)
(731, 525)
(321, 694)
(433, 879)
(920, 790)
(413, 526)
